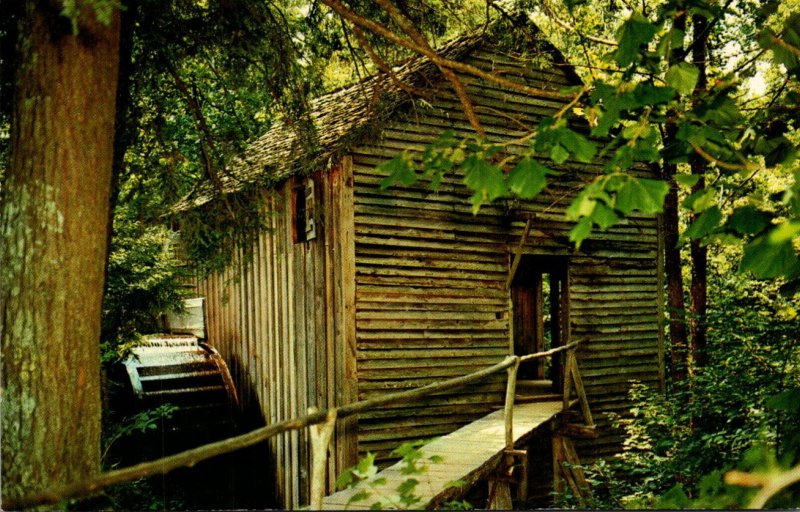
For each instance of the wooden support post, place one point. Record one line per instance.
(517, 462)
(499, 495)
(499, 489)
(558, 480)
(581, 488)
(511, 390)
(570, 354)
(320, 439)
(581, 392)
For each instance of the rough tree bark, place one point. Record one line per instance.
(53, 229)
(672, 254)
(699, 253)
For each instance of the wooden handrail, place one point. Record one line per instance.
(538, 355)
(192, 456)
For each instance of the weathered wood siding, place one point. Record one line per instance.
(431, 294)
(280, 318)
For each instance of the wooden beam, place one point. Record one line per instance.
(580, 391)
(581, 489)
(518, 254)
(511, 388)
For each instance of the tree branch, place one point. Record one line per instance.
(408, 27)
(384, 67)
(771, 484)
(746, 166)
(384, 32)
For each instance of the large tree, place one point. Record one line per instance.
(53, 236)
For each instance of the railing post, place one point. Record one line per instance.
(320, 439)
(511, 391)
(568, 356)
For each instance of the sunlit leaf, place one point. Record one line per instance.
(486, 180)
(399, 170)
(641, 194)
(748, 220)
(580, 231)
(528, 178)
(767, 260)
(687, 180)
(682, 77)
(635, 33)
(706, 223)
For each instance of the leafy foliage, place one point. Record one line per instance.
(740, 411)
(414, 464)
(144, 280)
(652, 112)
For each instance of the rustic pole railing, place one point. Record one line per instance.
(511, 391)
(191, 457)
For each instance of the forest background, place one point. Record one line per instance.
(168, 93)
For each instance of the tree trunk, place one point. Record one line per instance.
(53, 229)
(699, 253)
(672, 253)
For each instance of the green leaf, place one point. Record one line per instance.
(359, 496)
(648, 94)
(580, 231)
(704, 224)
(486, 180)
(399, 171)
(559, 154)
(682, 77)
(701, 200)
(345, 479)
(788, 401)
(366, 467)
(606, 121)
(407, 486)
(604, 216)
(641, 194)
(583, 149)
(748, 220)
(528, 178)
(636, 32)
(784, 232)
(767, 260)
(455, 484)
(672, 39)
(581, 206)
(687, 180)
(675, 498)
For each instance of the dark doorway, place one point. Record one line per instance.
(540, 296)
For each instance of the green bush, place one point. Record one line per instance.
(144, 279)
(741, 411)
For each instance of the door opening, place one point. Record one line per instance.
(540, 297)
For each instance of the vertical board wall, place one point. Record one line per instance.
(282, 320)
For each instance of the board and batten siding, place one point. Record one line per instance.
(431, 294)
(282, 319)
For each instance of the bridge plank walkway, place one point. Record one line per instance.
(468, 454)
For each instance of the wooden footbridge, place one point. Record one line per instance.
(491, 448)
(468, 455)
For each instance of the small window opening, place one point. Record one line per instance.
(304, 227)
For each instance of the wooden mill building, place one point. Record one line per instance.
(356, 291)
